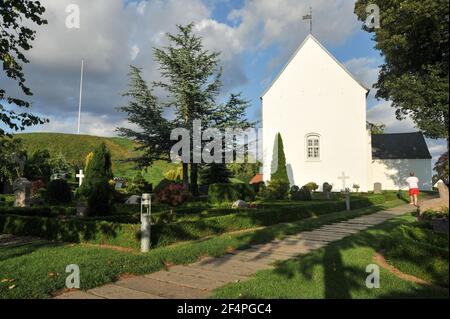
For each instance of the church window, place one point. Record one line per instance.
(313, 147)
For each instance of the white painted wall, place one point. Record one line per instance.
(314, 94)
(392, 174)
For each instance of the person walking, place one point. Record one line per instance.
(414, 192)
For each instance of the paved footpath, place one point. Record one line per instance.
(198, 280)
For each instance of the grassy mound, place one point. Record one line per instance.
(75, 148)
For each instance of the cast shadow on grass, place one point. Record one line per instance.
(22, 249)
(340, 280)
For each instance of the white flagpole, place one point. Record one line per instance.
(81, 94)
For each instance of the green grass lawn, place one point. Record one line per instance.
(38, 269)
(338, 271)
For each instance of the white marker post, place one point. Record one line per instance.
(146, 210)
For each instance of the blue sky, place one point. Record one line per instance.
(256, 38)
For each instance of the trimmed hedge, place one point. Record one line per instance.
(127, 235)
(44, 211)
(221, 193)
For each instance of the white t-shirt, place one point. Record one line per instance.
(413, 182)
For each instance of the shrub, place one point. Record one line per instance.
(127, 235)
(276, 190)
(303, 193)
(220, 193)
(58, 192)
(215, 174)
(173, 195)
(279, 170)
(139, 185)
(96, 185)
(312, 186)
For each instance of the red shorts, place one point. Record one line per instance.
(414, 191)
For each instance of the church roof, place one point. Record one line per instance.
(310, 36)
(400, 146)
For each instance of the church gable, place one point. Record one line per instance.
(311, 49)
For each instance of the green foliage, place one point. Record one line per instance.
(173, 195)
(279, 169)
(58, 192)
(96, 185)
(244, 172)
(223, 193)
(11, 151)
(139, 185)
(312, 186)
(276, 190)
(413, 40)
(377, 129)
(441, 168)
(215, 174)
(59, 164)
(38, 166)
(15, 38)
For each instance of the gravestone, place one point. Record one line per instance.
(443, 191)
(133, 200)
(240, 204)
(326, 189)
(377, 188)
(22, 192)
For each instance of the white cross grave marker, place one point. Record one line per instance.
(80, 177)
(343, 177)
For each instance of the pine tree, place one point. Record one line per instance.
(153, 138)
(215, 174)
(96, 185)
(279, 170)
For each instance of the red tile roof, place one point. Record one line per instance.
(259, 178)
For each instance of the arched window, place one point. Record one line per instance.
(313, 147)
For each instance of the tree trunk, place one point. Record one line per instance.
(186, 175)
(194, 179)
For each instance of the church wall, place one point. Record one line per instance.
(393, 173)
(315, 95)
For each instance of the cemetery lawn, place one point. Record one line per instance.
(37, 270)
(339, 270)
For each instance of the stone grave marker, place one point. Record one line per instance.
(377, 188)
(22, 192)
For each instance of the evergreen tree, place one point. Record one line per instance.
(191, 78)
(279, 170)
(153, 138)
(96, 185)
(215, 174)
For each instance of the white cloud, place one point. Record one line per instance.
(365, 70)
(383, 113)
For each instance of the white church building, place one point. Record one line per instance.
(319, 108)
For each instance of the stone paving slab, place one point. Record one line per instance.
(162, 289)
(78, 294)
(186, 280)
(197, 280)
(117, 292)
(194, 272)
